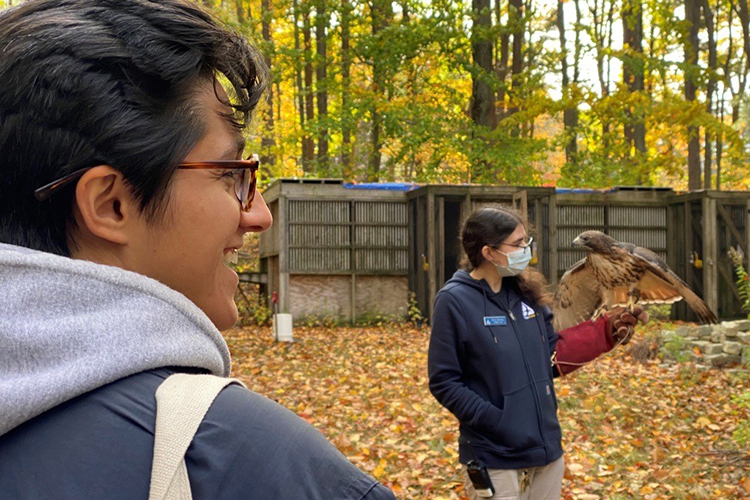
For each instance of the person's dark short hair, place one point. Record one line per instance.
(89, 82)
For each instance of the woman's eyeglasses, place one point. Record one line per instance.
(527, 243)
(244, 172)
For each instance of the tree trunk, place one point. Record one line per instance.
(570, 117)
(713, 66)
(380, 15)
(739, 96)
(240, 11)
(516, 23)
(603, 20)
(268, 142)
(321, 40)
(608, 80)
(577, 47)
(413, 89)
(744, 15)
(373, 174)
(649, 83)
(528, 55)
(597, 18)
(279, 97)
(728, 56)
(692, 16)
(633, 71)
(502, 57)
(346, 63)
(482, 97)
(517, 9)
(720, 142)
(308, 146)
(298, 76)
(729, 70)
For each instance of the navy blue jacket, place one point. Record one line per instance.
(489, 364)
(100, 446)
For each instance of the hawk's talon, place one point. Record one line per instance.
(634, 296)
(601, 311)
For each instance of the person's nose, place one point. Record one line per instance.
(258, 218)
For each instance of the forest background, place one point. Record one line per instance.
(572, 93)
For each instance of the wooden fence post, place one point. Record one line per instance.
(552, 221)
(710, 254)
(283, 255)
(431, 252)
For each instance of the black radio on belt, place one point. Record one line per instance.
(479, 476)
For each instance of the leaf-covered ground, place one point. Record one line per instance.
(631, 430)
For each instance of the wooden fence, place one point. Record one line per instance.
(357, 252)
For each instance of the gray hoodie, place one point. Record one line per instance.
(83, 348)
(69, 326)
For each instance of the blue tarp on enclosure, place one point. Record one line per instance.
(577, 190)
(387, 186)
(613, 189)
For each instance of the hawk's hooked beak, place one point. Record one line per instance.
(577, 242)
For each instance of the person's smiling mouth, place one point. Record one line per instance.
(231, 255)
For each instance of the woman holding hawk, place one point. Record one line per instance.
(494, 353)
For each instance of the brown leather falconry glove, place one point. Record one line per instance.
(622, 322)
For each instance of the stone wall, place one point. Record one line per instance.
(715, 345)
(328, 297)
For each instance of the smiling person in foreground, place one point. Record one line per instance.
(123, 194)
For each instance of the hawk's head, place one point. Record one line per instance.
(595, 241)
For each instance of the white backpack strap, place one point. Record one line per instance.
(182, 401)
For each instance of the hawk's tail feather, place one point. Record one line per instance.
(705, 314)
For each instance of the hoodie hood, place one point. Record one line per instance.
(69, 326)
(510, 286)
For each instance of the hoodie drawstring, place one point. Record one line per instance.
(484, 292)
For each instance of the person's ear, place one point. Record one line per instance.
(105, 204)
(486, 252)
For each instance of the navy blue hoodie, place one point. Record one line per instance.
(100, 446)
(489, 364)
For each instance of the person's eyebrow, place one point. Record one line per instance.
(235, 151)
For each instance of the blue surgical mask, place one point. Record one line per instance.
(517, 262)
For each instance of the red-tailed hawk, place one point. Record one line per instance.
(618, 274)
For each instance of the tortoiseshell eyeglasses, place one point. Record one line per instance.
(244, 172)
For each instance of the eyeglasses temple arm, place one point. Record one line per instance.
(45, 191)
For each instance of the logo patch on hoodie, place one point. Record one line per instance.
(528, 312)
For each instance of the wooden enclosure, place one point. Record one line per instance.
(357, 253)
(704, 225)
(335, 251)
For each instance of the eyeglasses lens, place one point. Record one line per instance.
(245, 187)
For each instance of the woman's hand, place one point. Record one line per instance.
(622, 322)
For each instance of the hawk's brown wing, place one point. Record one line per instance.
(661, 285)
(577, 297)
